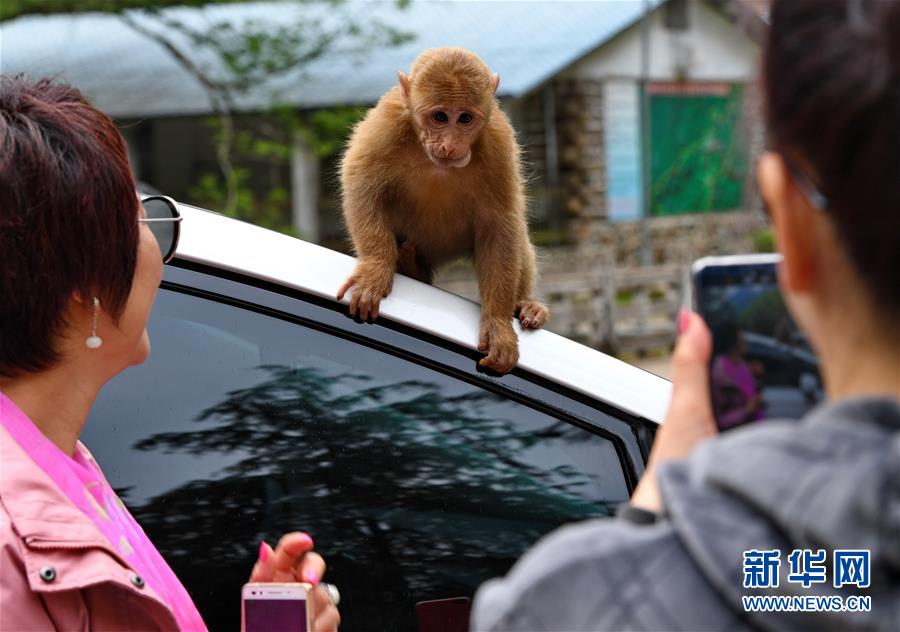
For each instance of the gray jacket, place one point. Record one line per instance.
(830, 481)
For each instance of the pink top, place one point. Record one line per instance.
(739, 375)
(81, 480)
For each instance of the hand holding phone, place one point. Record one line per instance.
(689, 418)
(294, 561)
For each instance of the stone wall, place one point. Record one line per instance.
(614, 285)
(753, 128)
(601, 294)
(530, 129)
(575, 196)
(581, 145)
(673, 240)
(677, 239)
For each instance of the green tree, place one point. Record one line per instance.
(244, 55)
(11, 9)
(265, 143)
(386, 475)
(764, 314)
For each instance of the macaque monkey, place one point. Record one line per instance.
(431, 173)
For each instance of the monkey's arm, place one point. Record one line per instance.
(375, 246)
(497, 261)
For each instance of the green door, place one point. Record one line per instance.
(699, 158)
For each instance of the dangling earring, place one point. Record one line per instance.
(94, 341)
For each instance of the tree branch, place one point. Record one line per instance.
(11, 9)
(219, 98)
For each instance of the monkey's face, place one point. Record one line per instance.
(448, 132)
(450, 95)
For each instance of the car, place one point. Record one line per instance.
(790, 378)
(264, 408)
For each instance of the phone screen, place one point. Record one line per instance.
(762, 365)
(275, 615)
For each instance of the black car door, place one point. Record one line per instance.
(262, 411)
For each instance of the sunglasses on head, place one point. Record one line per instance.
(164, 222)
(805, 184)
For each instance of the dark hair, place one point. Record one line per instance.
(832, 83)
(68, 216)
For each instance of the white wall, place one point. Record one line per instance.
(710, 49)
(305, 191)
(621, 111)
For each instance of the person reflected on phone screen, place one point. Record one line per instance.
(735, 388)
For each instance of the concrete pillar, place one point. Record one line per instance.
(305, 190)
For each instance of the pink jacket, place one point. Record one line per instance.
(56, 569)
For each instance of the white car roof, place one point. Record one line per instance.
(229, 244)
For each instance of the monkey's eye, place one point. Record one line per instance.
(440, 117)
(465, 118)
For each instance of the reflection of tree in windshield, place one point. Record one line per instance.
(764, 313)
(409, 493)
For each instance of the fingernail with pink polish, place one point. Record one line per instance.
(263, 552)
(311, 577)
(684, 319)
(307, 538)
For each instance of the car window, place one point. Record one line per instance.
(415, 485)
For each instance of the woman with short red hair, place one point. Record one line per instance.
(79, 269)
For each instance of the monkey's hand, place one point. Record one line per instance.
(498, 340)
(532, 314)
(370, 283)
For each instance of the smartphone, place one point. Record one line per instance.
(276, 608)
(762, 365)
(444, 615)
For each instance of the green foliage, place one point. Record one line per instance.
(326, 131)
(765, 313)
(764, 240)
(550, 236)
(265, 144)
(267, 209)
(252, 51)
(11, 9)
(625, 296)
(248, 53)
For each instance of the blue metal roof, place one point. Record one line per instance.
(128, 75)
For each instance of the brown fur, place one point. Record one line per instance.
(418, 192)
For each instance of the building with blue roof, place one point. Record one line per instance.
(625, 108)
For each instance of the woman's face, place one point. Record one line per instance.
(815, 276)
(131, 342)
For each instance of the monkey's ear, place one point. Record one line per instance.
(495, 82)
(404, 83)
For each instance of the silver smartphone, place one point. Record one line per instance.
(762, 365)
(271, 607)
